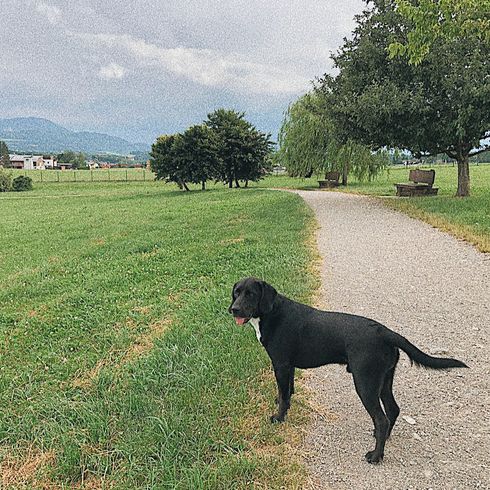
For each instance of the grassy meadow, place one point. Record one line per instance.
(119, 364)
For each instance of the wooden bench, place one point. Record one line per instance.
(421, 182)
(331, 180)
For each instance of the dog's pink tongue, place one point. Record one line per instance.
(240, 321)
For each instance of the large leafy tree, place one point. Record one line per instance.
(196, 155)
(304, 137)
(164, 162)
(243, 150)
(432, 20)
(439, 106)
(4, 155)
(309, 143)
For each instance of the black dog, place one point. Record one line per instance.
(298, 336)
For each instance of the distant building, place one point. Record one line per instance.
(33, 162)
(50, 161)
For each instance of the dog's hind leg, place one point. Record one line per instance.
(291, 382)
(368, 382)
(389, 403)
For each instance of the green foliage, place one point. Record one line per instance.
(358, 160)
(225, 148)
(5, 181)
(305, 136)
(432, 20)
(196, 155)
(309, 143)
(76, 159)
(163, 161)
(439, 106)
(4, 155)
(22, 183)
(243, 150)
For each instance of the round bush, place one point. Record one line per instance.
(22, 183)
(5, 181)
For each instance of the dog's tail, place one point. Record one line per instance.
(419, 357)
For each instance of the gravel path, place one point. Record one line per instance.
(433, 289)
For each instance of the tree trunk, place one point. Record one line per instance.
(237, 184)
(184, 185)
(203, 184)
(246, 183)
(230, 183)
(345, 172)
(463, 175)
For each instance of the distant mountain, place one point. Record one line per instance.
(37, 135)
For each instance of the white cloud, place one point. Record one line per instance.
(207, 67)
(51, 12)
(112, 71)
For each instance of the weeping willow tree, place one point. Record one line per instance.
(358, 160)
(304, 137)
(308, 144)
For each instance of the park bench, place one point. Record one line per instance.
(421, 182)
(331, 180)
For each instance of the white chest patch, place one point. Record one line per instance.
(256, 324)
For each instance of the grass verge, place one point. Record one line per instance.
(119, 365)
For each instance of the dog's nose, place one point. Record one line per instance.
(235, 310)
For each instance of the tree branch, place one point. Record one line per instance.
(481, 150)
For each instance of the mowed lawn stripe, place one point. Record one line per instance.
(117, 355)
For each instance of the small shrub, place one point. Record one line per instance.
(22, 183)
(5, 181)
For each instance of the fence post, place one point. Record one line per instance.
(74, 176)
(91, 175)
(126, 175)
(144, 175)
(41, 175)
(58, 174)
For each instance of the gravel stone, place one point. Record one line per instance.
(434, 290)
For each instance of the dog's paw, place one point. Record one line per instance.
(276, 419)
(373, 458)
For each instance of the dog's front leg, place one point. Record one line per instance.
(283, 374)
(291, 386)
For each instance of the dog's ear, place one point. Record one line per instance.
(267, 299)
(232, 296)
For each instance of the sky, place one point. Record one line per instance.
(148, 67)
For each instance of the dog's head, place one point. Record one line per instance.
(252, 298)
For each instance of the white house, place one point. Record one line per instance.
(33, 162)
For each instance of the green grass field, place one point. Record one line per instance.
(467, 218)
(119, 364)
